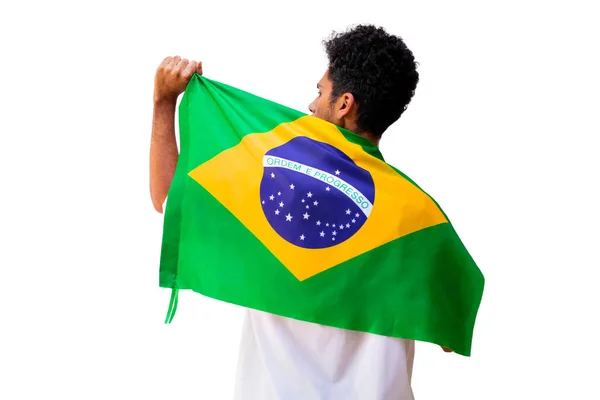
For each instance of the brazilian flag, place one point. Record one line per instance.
(278, 211)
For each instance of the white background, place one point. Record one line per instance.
(502, 132)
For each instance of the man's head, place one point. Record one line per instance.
(370, 80)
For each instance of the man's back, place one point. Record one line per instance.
(287, 359)
(370, 80)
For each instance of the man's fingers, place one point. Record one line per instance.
(181, 65)
(190, 69)
(173, 61)
(165, 62)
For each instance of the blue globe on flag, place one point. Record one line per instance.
(313, 195)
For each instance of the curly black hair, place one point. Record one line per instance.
(378, 69)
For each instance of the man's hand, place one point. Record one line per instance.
(172, 77)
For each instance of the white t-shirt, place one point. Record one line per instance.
(287, 359)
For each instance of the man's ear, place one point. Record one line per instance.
(345, 104)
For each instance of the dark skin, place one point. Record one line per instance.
(171, 79)
(341, 112)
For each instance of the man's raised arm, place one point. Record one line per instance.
(172, 77)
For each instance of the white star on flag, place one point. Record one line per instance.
(322, 234)
(281, 204)
(272, 175)
(337, 171)
(334, 233)
(341, 227)
(316, 203)
(302, 237)
(303, 200)
(307, 206)
(277, 212)
(318, 223)
(292, 186)
(278, 193)
(309, 194)
(348, 212)
(353, 220)
(263, 202)
(289, 217)
(271, 197)
(347, 225)
(306, 215)
(357, 215)
(327, 188)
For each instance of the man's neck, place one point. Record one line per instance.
(350, 124)
(370, 137)
(367, 135)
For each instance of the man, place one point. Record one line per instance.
(370, 81)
